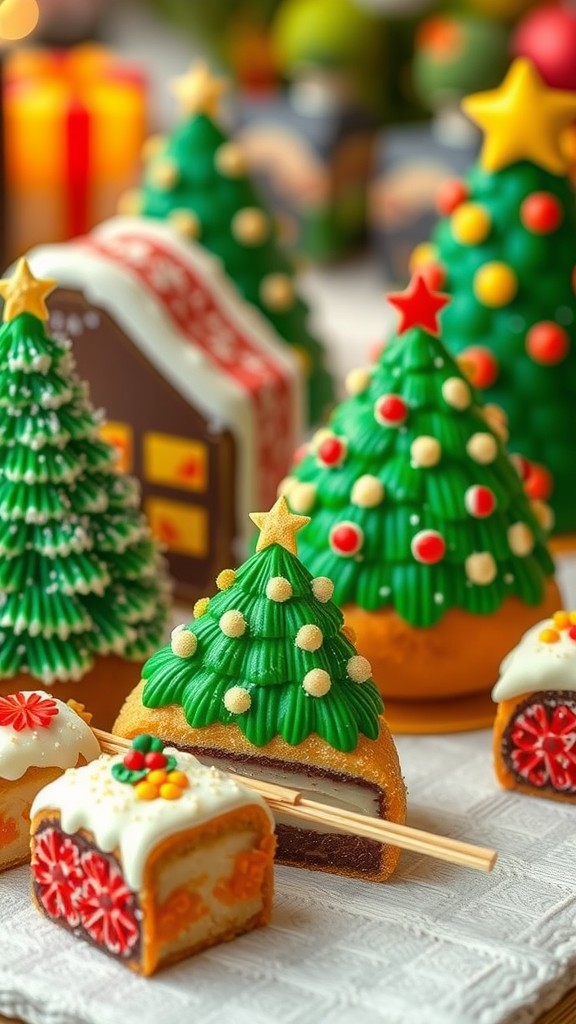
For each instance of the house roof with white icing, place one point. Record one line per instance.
(177, 306)
(545, 659)
(91, 798)
(38, 731)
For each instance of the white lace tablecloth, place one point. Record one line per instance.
(435, 945)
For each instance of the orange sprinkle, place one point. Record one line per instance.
(549, 636)
(561, 620)
(146, 791)
(178, 779)
(157, 777)
(170, 792)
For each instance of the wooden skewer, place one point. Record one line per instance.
(290, 802)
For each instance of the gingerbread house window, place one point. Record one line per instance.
(175, 462)
(121, 437)
(181, 527)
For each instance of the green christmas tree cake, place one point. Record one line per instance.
(196, 179)
(504, 250)
(83, 589)
(419, 516)
(267, 681)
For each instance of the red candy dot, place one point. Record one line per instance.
(332, 451)
(155, 760)
(479, 365)
(523, 465)
(541, 213)
(134, 760)
(547, 343)
(539, 484)
(572, 632)
(480, 501)
(450, 194)
(434, 275)
(346, 538)
(299, 454)
(390, 410)
(428, 547)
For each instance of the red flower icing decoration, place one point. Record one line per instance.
(57, 873)
(27, 711)
(107, 907)
(543, 746)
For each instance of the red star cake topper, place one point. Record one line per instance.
(418, 306)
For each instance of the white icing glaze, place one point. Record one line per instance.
(534, 666)
(58, 745)
(90, 798)
(219, 397)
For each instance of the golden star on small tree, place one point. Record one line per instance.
(199, 91)
(24, 293)
(278, 526)
(523, 120)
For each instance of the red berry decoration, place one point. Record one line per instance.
(155, 760)
(134, 760)
(480, 501)
(346, 539)
(572, 632)
(480, 366)
(390, 410)
(300, 454)
(332, 451)
(541, 213)
(539, 484)
(450, 194)
(522, 464)
(428, 547)
(547, 343)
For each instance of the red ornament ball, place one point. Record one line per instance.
(522, 464)
(541, 212)
(480, 366)
(547, 343)
(480, 501)
(428, 547)
(539, 484)
(547, 36)
(300, 453)
(572, 632)
(134, 760)
(346, 539)
(155, 760)
(390, 410)
(450, 194)
(332, 451)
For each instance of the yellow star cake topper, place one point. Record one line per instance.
(199, 91)
(278, 526)
(523, 120)
(24, 293)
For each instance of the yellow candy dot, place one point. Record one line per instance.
(225, 579)
(573, 618)
(145, 790)
(561, 620)
(200, 607)
(170, 792)
(495, 284)
(470, 223)
(157, 777)
(424, 253)
(178, 779)
(549, 636)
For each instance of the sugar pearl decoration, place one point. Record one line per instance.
(250, 226)
(482, 448)
(456, 393)
(233, 623)
(359, 669)
(185, 222)
(309, 638)
(367, 492)
(201, 607)
(230, 161)
(322, 588)
(279, 589)
(285, 486)
(164, 174)
(317, 682)
(481, 568)
(357, 380)
(277, 292)
(320, 436)
(237, 700)
(520, 539)
(302, 498)
(152, 146)
(184, 643)
(225, 579)
(425, 452)
(543, 514)
(130, 203)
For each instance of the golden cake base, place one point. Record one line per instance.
(563, 543)
(427, 717)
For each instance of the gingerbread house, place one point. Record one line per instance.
(204, 402)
